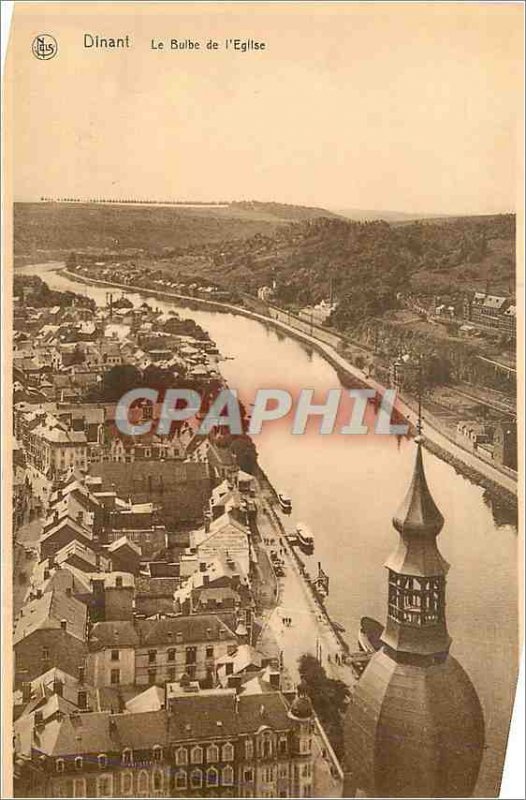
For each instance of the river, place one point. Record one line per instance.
(347, 488)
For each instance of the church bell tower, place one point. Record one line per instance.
(414, 725)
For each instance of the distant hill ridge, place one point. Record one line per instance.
(74, 225)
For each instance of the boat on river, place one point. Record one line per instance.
(304, 536)
(369, 636)
(285, 502)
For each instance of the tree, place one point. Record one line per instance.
(245, 452)
(119, 380)
(329, 699)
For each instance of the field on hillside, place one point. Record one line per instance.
(78, 226)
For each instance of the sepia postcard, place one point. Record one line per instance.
(263, 430)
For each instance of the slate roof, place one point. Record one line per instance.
(46, 613)
(193, 628)
(123, 542)
(67, 522)
(117, 633)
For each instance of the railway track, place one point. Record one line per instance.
(496, 405)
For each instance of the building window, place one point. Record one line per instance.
(196, 779)
(158, 780)
(212, 776)
(171, 674)
(127, 756)
(307, 791)
(79, 787)
(59, 765)
(157, 753)
(152, 655)
(126, 783)
(190, 671)
(115, 676)
(248, 776)
(102, 761)
(114, 655)
(212, 753)
(265, 744)
(118, 582)
(45, 654)
(152, 674)
(283, 770)
(209, 653)
(249, 749)
(196, 755)
(181, 756)
(142, 783)
(79, 762)
(191, 655)
(227, 752)
(180, 779)
(105, 786)
(171, 654)
(268, 774)
(227, 777)
(283, 746)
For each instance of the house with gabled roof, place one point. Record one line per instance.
(50, 631)
(223, 535)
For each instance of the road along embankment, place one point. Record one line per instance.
(483, 473)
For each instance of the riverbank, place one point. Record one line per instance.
(484, 474)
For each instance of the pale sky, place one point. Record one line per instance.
(407, 107)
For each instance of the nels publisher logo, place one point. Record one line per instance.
(44, 46)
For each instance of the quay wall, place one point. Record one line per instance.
(262, 477)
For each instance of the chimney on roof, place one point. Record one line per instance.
(82, 699)
(47, 574)
(68, 591)
(82, 674)
(39, 719)
(202, 566)
(26, 691)
(38, 593)
(274, 677)
(58, 687)
(206, 579)
(55, 516)
(63, 624)
(80, 517)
